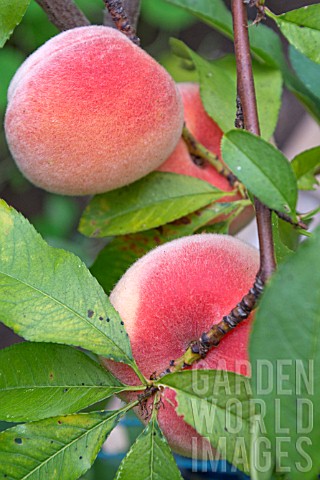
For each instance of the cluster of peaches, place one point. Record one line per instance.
(90, 112)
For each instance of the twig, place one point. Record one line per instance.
(121, 20)
(132, 7)
(288, 219)
(64, 14)
(248, 101)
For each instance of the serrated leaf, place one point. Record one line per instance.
(302, 28)
(11, 14)
(307, 70)
(149, 458)
(56, 448)
(262, 168)
(44, 380)
(209, 401)
(218, 87)
(304, 166)
(120, 253)
(49, 295)
(285, 358)
(154, 200)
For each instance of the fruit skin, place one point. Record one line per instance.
(209, 134)
(172, 295)
(89, 112)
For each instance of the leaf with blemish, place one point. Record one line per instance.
(40, 380)
(49, 295)
(59, 448)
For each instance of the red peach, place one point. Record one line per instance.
(209, 134)
(172, 295)
(89, 112)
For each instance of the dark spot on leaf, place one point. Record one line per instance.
(51, 375)
(18, 440)
(82, 383)
(226, 429)
(80, 458)
(154, 433)
(122, 323)
(90, 313)
(59, 422)
(51, 441)
(301, 26)
(108, 319)
(101, 318)
(65, 389)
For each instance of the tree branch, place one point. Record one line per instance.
(246, 117)
(121, 20)
(132, 8)
(247, 97)
(64, 14)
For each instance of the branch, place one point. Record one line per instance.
(246, 117)
(64, 14)
(247, 97)
(132, 8)
(120, 18)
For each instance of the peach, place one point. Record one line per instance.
(172, 295)
(89, 112)
(209, 134)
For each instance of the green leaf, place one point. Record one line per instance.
(304, 166)
(262, 168)
(49, 295)
(11, 14)
(285, 358)
(217, 404)
(56, 448)
(302, 28)
(157, 199)
(281, 249)
(218, 87)
(150, 456)
(307, 70)
(120, 253)
(52, 380)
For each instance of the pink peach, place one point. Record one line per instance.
(172, 295)
(209, 134)
(89, 112)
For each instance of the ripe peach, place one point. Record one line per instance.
(209, 134)
(89, 112)
(168, 298)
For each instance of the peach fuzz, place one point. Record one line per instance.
(89, 112)
(172, 295)
(209, 134)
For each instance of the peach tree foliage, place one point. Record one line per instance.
(49, 297)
